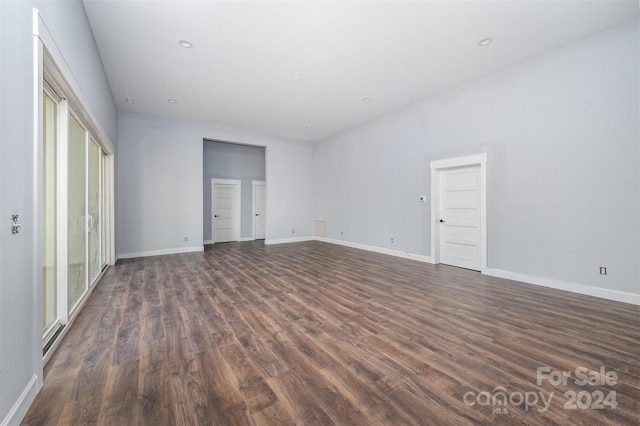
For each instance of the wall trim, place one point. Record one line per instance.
(288, 240)
(22, 404)
(376, 249)
(176, 250)
(603, 293)
(205, 242)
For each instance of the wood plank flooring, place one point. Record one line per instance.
(317, 334)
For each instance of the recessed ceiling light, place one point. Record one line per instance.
(172, 101)
(129, 100)
(485, 41)
(366, 100)
(185, 43)
(309, 127)
(296, 77)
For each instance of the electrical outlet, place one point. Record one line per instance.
(603, 270)
(293, 231)
(341, 234)
(391, 240)
(186, 238)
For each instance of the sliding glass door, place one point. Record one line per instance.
(84, 211)
(50, 317)
(76, 212)
(95, 206)
(73, 210)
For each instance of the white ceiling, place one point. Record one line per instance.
(278, 67)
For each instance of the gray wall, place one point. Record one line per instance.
(561, 132)
(160, 183)
(232, 161)
(20, 349)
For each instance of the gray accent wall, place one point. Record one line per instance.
(223, 160)
(562, 136)
(20, 339)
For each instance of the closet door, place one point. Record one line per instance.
(76, 212)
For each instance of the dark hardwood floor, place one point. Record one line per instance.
(313, 333)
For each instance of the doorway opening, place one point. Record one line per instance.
(234, 192)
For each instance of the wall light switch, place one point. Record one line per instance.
(423, 198)
(15, 224)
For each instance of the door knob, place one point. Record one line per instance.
(441, 220)
(215, 215)
(257, 214)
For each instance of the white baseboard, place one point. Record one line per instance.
(19, 409)
(206, 242)
(618, 296)
(289, 240)
(176, 250)
(390, 252)
(603, 293)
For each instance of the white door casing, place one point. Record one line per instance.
(225, 210)
(259, 209)
(458, 199)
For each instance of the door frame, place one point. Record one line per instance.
(436, 167)
(255, 183)
(238, 184)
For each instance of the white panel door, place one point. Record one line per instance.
(459, 216)
(225, 207)
(259, 210)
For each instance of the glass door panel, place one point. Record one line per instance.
(77, 220)
(94, 218)
(49, 270)
(104, 234)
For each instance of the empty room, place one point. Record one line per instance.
(319, 212)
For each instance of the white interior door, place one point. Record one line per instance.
(459, 217)
(225, 208)
(259, 210)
